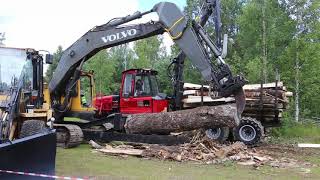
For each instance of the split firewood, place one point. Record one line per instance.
(230, 150)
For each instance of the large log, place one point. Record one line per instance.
(184, 120)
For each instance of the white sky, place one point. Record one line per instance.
(45, 24)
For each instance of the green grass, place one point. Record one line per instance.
(82, 162)
(293, 132)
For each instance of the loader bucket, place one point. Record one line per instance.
(33, 154)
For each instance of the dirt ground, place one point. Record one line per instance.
(292, 151)
(290, 162)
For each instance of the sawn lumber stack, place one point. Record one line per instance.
(265, 104)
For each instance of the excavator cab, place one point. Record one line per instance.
(81, 105)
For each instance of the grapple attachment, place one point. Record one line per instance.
(240, 98)
(234, 87)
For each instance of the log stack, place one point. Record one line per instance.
(266, 104)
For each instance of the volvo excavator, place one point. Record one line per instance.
(187, 34)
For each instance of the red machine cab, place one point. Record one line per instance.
(139, 93)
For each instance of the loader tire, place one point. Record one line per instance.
(220, 134)
(32, 127)
(250, 131)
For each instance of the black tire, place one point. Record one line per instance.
(32, 127)
(249, 131)
(220, 134)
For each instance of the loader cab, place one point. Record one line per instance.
(139, 92)
(22, 89)
(23, 68)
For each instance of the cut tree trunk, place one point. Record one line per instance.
(184, 120)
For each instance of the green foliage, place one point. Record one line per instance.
(56, 58)
(121, 58)
(253, 72)
(149, 52)
(104, 68)
(304, 49)
(307, 132)
(231, 10)
(164, 81)
(108, 66)
(286, 40)
(279, 31)
(309, 56)
(191, 74)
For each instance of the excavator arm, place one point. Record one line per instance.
(210, 8)
(175, 69)
(187, 34)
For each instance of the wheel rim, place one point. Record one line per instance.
(247, 133)
(213, 133)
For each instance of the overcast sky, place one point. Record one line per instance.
(45, 24)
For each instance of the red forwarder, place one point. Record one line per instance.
(139, 93)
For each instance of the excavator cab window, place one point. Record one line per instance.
(85, 91)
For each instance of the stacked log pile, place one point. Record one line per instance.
(265, 104)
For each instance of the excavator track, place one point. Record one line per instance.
(68, 135)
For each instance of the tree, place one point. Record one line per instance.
(302, 56)
(103, 69)
(148, 52)
(108, 66)
(265, 30)
(121, 57)
(56, 58)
